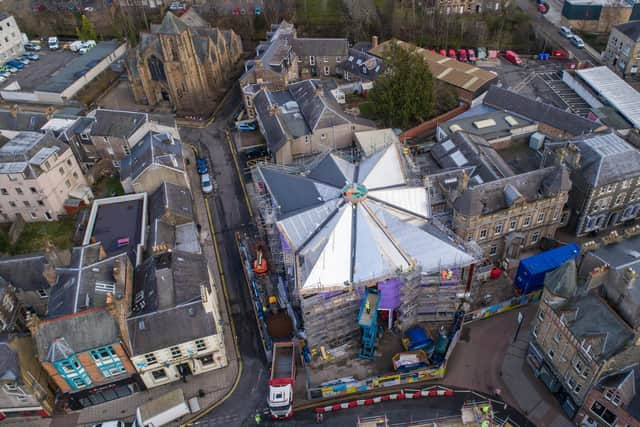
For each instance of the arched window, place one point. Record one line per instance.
(156, 68)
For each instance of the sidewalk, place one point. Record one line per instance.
(486, 359)
(214, 384)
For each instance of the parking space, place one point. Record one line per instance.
(573, 101)
(36, 72)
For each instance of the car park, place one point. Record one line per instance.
(566, 32)
(246, 126)
(205, 183)
(577, 42)
(202, 166)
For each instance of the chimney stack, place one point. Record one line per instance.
(14, 110)
(630, 277)
(33, 323)
(463, 182)
(50, 274)
(374, 42)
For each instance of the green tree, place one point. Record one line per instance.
(86, 31)
(404, 92)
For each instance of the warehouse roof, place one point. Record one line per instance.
(615, 91)
(456, 73)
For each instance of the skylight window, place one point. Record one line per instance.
(482, 124)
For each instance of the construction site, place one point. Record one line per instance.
(348, 259)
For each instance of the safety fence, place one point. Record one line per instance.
(502, 307)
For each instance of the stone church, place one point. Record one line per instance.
(184, 61)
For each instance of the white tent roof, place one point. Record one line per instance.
(370, 229)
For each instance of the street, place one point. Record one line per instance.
(230, 214)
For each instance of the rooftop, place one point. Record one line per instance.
(25, 272)
(171, 200)
(116, 123)
(18, 121)
(27, 151)
(351, 223)
(362, 64)
(116, 218)
(159, 149)
(615, 91)
(631, 30)
(491, 125)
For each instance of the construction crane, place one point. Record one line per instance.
(260, 266)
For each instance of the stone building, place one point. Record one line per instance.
(184, 61)
(623, 48)
(577, 339)
(12, 44)
(606, 182)
(513, 213)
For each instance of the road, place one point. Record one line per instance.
(550, 32)
(230, 214)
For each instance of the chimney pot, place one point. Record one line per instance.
(374, 42)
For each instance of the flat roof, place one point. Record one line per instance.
(117, 218)
(622, 96)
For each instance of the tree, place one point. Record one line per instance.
(404, 92)
(86, 31)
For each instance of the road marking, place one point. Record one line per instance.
(235, 161)
(212, 229)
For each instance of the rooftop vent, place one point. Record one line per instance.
(455, 128)
(511, 120)
(141, 325)
(482, 124)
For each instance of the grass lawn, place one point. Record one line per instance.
(97, 87)
(366, 110)
(36, 234)
(317, 12)
(108, 186)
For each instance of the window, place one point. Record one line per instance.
(201, 345)
(534, 237)
(4, 191)
(493, 250)
(325, 59)
(556, 337)
(469, 237)
(483, 233)
(620, 198)
(48, 216)
(326, 70)
(33, 190)
(312, 60)
(12, 204)
(69, 162)
(19, 191)
(540, 217)
(603, 413)
(527, 221)
(78, 382)
(46, 164)
(535, 331)
(513, 224)
(175, 352)
(323, 136)
(616, 400)
(347, 76)
(578, 366)
(556, 213)
(150, 358)
(105, 287)
(26, 203)
(40, 202)
(541, 315)
(61, 170)
(206, 360)
(626, 184)
(34, 215)
(75, 175)
(42, 293)
(338, 59)
(577, 388)
(499, 228)
(571, 383)
(159, 374)
(67, 183)
(551, 353)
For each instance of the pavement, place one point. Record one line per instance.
(488, 360)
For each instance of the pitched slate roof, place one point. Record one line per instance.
(361, 64)
(484, 199)
(563, 281)
(192, 19)
(75, 332)
(171, 199)
(630, 29)
(171, 24)
(606, 158)
(9, 366)
(320, 47)
(117, 123)
(25, 271)
(504, 99)
(160, 149)
(23, 121)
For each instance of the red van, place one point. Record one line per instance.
(512, 57)
(471, 56)
(452, 54)
(443, 52)
(462, 55)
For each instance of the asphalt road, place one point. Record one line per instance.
(230, 214)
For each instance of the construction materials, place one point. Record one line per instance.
(368, 321)
(531, 271)
(283, 374)
(410, 360)
(162, 411)
(417, 339)
(260, 266)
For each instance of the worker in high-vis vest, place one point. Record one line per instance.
(367, 306)
(258, 419)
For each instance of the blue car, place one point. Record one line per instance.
(202, 166)
(16, 64)
(247, 126)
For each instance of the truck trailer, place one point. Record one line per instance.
(162, 411)
(281, 383)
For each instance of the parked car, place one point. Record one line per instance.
(32, 56)
(114, 423)
(202, 166)
(566, 32)
(247, 126)
(462, 55)
(22, 59)
(16, 64)
(471, 55)
(32, 46)
(512, 57)
(443, 52)
(5, 74)
(88, 9)
(9, 68)
(577, 41)
(2, 79)
(452, 53)
(205, 183)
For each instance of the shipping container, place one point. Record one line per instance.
(531, 271)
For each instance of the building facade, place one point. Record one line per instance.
(38, 173)
(606, 183)
(11, 42)
(623, 49)
(25, 389)
(184, 61)
(513, 213)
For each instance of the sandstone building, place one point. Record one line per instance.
(184, 61)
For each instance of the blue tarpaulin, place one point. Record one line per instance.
(531, 271)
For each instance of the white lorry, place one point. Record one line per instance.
(162, 411)
(53, 43)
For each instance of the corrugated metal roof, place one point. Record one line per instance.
(616, 91)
